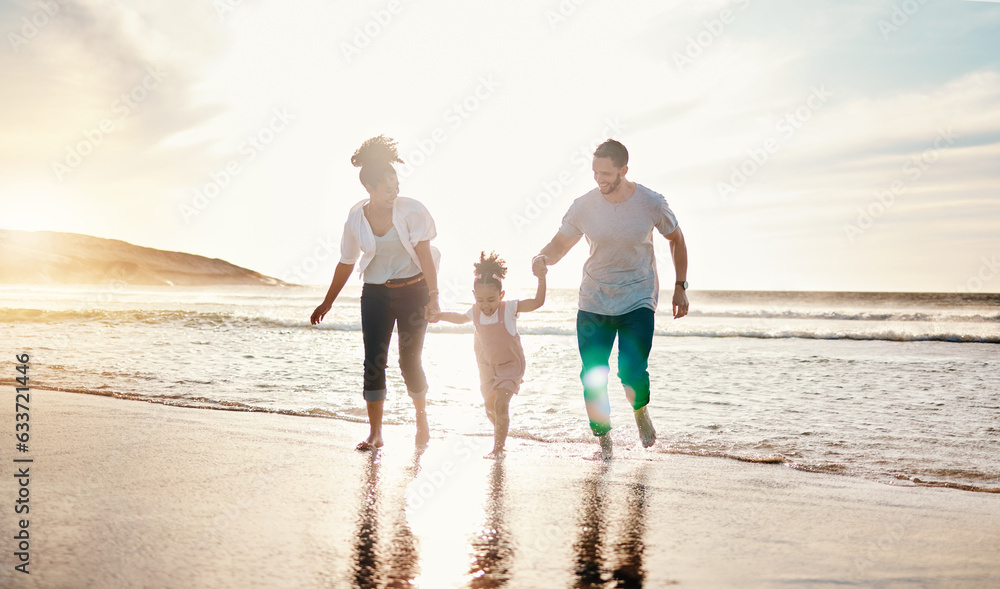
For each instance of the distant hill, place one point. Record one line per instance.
(49, 257)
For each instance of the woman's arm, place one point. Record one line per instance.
(458, 318)
(430, 275)
(340, 276)
(528, 305)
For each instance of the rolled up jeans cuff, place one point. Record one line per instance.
(420, 395)
(373, 396)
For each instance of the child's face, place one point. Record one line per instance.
(488, 298)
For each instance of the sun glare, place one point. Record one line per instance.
(26, 221)
(40, 206)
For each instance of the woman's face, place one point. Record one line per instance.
(386, 191)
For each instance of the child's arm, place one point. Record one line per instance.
(458, 318)
(539, 300)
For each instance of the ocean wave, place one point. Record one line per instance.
(153, 317)
(893, 316)
(885, 335)
(752, 332)
(948, 484)
(567, 328)
(197, 402)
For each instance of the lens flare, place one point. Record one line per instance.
(596, 378)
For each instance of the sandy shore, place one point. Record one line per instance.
(133, 494)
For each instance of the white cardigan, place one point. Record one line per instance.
(412, 221)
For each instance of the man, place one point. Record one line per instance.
(620, 287)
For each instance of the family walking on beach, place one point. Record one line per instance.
(389, 236)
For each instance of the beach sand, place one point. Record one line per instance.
(137, 494)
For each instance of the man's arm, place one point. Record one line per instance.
(679, 252)
(554, 251)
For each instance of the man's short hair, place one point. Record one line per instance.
(614, 150)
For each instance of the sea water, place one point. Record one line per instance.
(898, 388)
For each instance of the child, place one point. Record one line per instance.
(497, 343)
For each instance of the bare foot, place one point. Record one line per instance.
(496, 453)
(605, 441)
(646, 432)
(423, 430)
(370, 444)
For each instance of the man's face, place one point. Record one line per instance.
(607, 175)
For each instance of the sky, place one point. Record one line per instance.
(824, 145)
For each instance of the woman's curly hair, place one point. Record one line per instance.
(375, 158)
(490, 269)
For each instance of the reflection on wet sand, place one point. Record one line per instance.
(492, 549)
(608, 550)
(393, 562)
(594, 568)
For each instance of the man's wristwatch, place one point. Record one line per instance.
(682, 283)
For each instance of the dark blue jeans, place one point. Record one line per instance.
(595, 335)
(382, 308)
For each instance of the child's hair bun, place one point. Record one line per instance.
(377, 150)
(490, 269)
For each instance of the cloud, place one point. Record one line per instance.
(134, 68)
(558, 82)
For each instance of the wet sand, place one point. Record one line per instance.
(135, 494)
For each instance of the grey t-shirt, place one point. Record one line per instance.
(620, 274)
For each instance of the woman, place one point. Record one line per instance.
(389, 237)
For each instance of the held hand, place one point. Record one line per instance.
(432, 312)
(539, 266)
(680, 304)
(319, 313)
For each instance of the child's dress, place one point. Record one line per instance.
(498, 349)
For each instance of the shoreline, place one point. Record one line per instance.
(899, 481)
(128, 494)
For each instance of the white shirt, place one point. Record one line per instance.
(390, 261)
(509, 320)
(411, 220)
